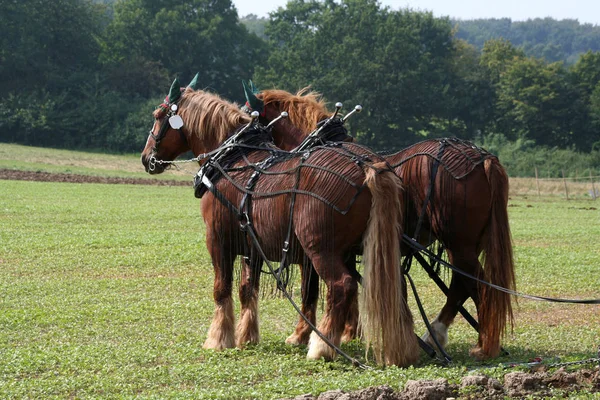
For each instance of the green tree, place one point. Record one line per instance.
(255, 25)
(47, 44)
(179, 37)
(471, 96)
(48, 54)
(553, 40)
(393, 63)
(586, 78)
(496, 56)
(535, 102)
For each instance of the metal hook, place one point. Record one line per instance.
(338, 107)
(253, 116)
(283, 114)
(357, 109)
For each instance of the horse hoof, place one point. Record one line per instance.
(294, 340)
(213, 345)
(478, 354)
(297, 340)
(347, 338)
(315, 355)
(318, 349)
(441, 334)
(216, 344)
(242, 343)
(348, 335)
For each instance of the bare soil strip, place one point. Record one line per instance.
(9, 174)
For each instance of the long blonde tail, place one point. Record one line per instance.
(386, 320)
(499, 267)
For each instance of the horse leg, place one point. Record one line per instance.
(247, 331)
(461, 288)
(310, 295)
(457, 295)
(342, 290)
(351, 326)
(488, 342)
(221, 332)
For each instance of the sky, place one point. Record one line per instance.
(586, 11)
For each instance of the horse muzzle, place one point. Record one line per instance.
(151, 165)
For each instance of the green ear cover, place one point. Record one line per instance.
(174, 92)
(194, 83)
(254, 102)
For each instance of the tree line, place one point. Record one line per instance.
(86, 74)
(547, 38)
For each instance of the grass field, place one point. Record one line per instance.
(106, 291)
(27, 158)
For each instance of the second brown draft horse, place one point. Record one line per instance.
(462, 193)
(323, 201)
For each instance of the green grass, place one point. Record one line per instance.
(39, 159)
(106, 291)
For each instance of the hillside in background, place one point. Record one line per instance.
(546, 38)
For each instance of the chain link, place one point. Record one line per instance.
(153, 161)
(538, 362)
(571, 363)
(201, 157)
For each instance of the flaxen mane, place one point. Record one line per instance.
(305, 108)
(207, 114)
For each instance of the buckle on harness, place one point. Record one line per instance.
(244, 221)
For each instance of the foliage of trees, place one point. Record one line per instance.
(417, 80)
(395, 64)
(546, 38)
(77, 73)
(86, 74)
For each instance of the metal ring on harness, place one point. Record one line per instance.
(244, 219)
(152, 163)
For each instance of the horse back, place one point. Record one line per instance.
(446, 187)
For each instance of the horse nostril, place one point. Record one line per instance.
(145, 162)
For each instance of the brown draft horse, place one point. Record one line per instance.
(370, 216)
(467, 211)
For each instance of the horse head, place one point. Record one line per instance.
(306, 110)
(188, 119)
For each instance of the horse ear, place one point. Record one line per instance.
(253, 88)
(254, 102)
(174, 92)
(194, 83)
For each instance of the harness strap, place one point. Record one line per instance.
(447, 359)
(283, 266)
(219, 196)
(434, 170)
